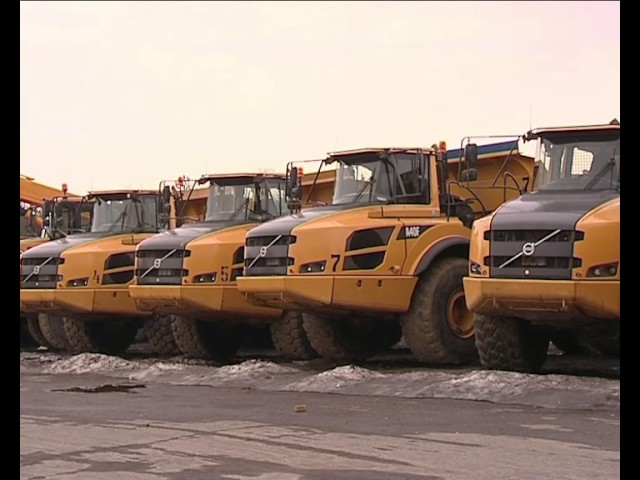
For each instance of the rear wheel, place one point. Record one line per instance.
(159, 334)
(52, 329)
(512, 344)
(290, 339)
(207, 340)
(438, 328)
(111, 337)
(349, 339)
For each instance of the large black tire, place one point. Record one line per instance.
(159, 334)
(33, 327)
(512, 344)
(290, 339)
(438, 328)
(52, 329)
(345, 339)
(206, 340)
(111, 337)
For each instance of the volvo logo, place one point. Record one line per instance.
(528, 249)
(263, 251)
(36, 270)
(157, 262)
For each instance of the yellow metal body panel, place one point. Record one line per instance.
(196, 300)
(546, 301)
(212, 252)
(579, 298)
(87, 260)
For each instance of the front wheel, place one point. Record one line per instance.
(111, 337)
(52, 328)
(204, 339)
(290, 339)
(159, 334)
(438, 328)
(512, 344)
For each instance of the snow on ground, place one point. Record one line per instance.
(551, 390)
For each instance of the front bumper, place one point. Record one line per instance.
(197, 300)
(374, 293)
(112, 301)
(545, 301)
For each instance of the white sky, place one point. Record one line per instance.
(126, 94)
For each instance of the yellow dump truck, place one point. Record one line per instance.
(187, 275)
(62, 215)
(78, 284)
(387, 257)
(547, 264)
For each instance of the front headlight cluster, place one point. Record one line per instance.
(205, 278)
(604, 270)
(313, 267)
(78, 282)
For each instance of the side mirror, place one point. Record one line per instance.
(166, 194)
(469, 175)
(47, 208)
(471, 155)
(294, 183)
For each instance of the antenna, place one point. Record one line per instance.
(530, 116)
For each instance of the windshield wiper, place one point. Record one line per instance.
(370, 183)
(601, 173)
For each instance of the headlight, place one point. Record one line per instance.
(313, 267)
(205, 278)
(78, 282)
(475, 268)
(605, 270)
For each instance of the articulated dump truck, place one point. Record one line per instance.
(42, 219)
(62, 215)
(77, 286)
(187, 275)
(386, 258)
(547, 264)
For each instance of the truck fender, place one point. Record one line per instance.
(431, 254)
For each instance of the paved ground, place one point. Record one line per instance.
(93, 417)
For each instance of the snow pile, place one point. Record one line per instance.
(336, 378)
(90, 363)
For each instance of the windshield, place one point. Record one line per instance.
(578, 162)
(125, 215)
(273, 198)
(400, 177)
(235, 202)
(69, 220)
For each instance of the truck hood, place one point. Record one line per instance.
(549, 210)
(284, 225)
(54, 248)
(178, 238)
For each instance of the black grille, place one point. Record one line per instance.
(269, 240)
(40, 272)
(160, 267)
(536, 254)
(268, 255)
